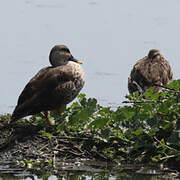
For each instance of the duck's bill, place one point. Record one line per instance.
(80, 62)
(75, 60)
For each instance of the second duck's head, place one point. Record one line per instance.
(154, 54)
(61, 55)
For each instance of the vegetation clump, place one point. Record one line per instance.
(145, 130)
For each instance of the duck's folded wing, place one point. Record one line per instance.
(140, 73)
(43, 84)
(45, 80)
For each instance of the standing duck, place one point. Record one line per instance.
(152, 70)
(52, 87)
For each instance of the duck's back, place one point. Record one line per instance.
(147, 73)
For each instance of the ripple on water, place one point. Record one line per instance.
(88, 169)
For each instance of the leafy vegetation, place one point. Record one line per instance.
(147, 129)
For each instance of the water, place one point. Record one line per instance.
(89, 171)
(108, 36)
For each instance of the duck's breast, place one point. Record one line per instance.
(78, 75)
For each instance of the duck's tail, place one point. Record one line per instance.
(15, 116)
(12, 119)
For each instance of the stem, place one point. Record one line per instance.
(164, 145)
(165, 87)
(142, 101)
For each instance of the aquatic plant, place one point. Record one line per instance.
(145, 130)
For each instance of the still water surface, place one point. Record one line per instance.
(107, 35)
(89, 170)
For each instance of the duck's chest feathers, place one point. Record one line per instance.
(77, 73)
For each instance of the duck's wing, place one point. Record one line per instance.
(32, 86)
(46, 81)
(40, 94)
(166, 72)
(139, 76)
(133, 86)
(156, 72)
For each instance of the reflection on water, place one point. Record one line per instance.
(108, 36)
(88, 170)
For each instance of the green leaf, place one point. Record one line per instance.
(98, 123)
(105, 132)
(153, 122)
(49, 135)
(149, 92)
(138, 132)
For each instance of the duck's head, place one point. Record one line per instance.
(61, 55)
(154, 54)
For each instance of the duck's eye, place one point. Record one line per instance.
(65, 50)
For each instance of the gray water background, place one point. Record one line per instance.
(107, 35)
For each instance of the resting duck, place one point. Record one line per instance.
(153, 69)
(52, 87)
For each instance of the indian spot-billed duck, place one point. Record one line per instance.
(52, 87)
(151, 70)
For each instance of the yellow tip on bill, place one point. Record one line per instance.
(80, 62)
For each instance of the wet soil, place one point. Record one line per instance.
(27, 145)
(26, 141)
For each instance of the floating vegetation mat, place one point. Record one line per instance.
(146, 130)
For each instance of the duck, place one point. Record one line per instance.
(53, 87)
(152, 70)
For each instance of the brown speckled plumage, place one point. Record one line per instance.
(153, 69)
(52, 87)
